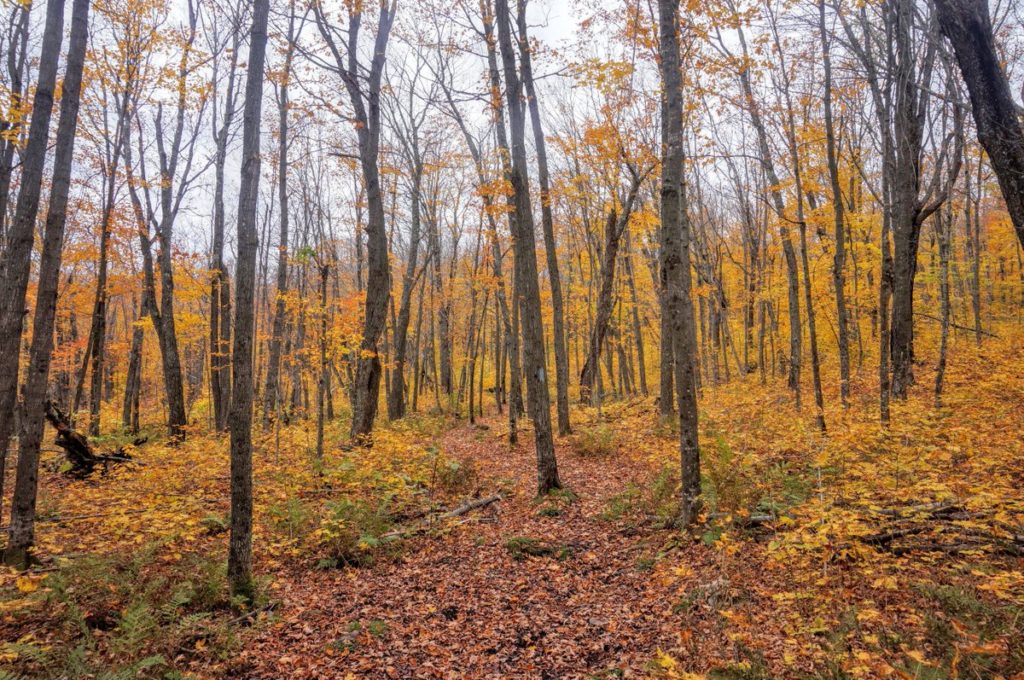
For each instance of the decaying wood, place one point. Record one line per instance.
(939, 527)
(471, 505)
(468, 506)
(77, 448)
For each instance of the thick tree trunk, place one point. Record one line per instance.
(17, 256)
(240, 419)
(967, 25)
(23, 511)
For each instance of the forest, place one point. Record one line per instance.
(512, 339)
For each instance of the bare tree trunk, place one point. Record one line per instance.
(17, 59)
(967, 25)
(17, 255)
(365, 101)
(614, 229)
(528, 287)
(547, 222)
(240, 418)
(272, 388)
(943, 231)
(396, 397)
(220, 281)
(676, 228)
(789, 253)
(839, 259)
(638, 335)
(23, 510)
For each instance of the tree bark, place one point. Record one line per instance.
(528, 287)
(272, 388)
(17, 256)
(365, 102)
(240, 418)
(967, 25)
(676, 236)
(839, 258)
(23, 510)
(220, 281)
(547, 223)
(614, 230)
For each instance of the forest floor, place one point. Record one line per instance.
(863, 552)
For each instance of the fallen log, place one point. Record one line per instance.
(471, 505)
(76, 446)
(468, 506)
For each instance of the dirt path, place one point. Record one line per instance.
(461, 605)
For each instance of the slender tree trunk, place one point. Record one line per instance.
(23, 511)
(240, 418)
(220, 281)
(528, 288)
(638, 335)
(943, 231)
(396, 398)
(547, 222)
(272, 389)
(839, 259)
(614, 229)
(676, 228)
(17, 255)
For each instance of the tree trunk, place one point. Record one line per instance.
(676, 237)
(528, 287)
(614, 229)
(240, 418)
(272, 389)
(839, 258)
(23, 510)
(396, 398)
(547, 222)
(220, 281)
(17, 256)
(967, 25)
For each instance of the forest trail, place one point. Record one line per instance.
(461, 604)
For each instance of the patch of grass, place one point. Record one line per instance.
(965, 620)
(656, 502)
(454, 477)
(595, 440)
(622, 503)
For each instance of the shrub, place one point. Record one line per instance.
(291, 518)
(597, 440)
(454, 477)
(729, 485)
(353, 533)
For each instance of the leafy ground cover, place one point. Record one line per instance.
(857, 553)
